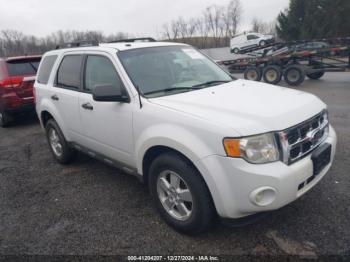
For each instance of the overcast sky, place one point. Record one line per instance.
(138, 17)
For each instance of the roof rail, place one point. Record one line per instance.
(131, 40)
(78, 44)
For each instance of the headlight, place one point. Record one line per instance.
(254, 149)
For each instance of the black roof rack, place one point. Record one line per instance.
(132, 40)
(78, 44)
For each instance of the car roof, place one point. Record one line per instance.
(134, 45)
(15, 58)
(120, 46)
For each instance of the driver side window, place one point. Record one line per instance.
(99, 70)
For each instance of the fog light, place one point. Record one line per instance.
(263, 196)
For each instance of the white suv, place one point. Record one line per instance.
(249, 40)
(206, 144)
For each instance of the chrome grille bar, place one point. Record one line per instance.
(300, 140)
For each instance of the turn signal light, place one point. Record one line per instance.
(232, 147)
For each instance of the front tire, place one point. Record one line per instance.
(180, 194)
(235, 50)
(58, 145)
(262, 43)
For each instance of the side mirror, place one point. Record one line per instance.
(109, 93)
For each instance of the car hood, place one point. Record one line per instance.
(247, 107)
(268, 36)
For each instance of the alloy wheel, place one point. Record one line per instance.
(175, 195)
(55, 142)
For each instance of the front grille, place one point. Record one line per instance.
(300, 140)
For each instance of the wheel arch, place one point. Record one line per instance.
(45, 116)
(153, 152)
(48, 111)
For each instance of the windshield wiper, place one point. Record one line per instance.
(209, 83)
(171, 89)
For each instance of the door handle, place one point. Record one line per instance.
(55, 97)
(87, 106)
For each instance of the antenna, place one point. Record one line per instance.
(139, 95)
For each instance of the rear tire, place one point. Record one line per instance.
(5, 119)
(191, 214)
(294, 75)
(272, 74)
(316, 75)
(253, 73)
(58, 145)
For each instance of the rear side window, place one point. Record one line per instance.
(68, 75)
(23, 67)
(45, 69)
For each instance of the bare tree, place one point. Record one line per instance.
(264, 27)
(191, 27)
(212, 17)
(202, 31)
(182, 27)
(214, 28)
(232, 17)
(174, 29)
(166, 32)
(271, 27)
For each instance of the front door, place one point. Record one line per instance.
(107, 126)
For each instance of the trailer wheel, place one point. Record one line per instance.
(294, 75)
(315, 76)
(272, 74)
(253, 74)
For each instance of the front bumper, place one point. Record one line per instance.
(231, 181)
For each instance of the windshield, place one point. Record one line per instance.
(160, 71)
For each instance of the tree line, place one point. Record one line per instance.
(302, 20)
(13, 42)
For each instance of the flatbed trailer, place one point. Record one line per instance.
(281, 60)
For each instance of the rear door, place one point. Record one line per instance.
(65, 93)
(22, 75)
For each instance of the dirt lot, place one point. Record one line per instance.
(90, 208)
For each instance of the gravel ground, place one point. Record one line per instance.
(88, 208)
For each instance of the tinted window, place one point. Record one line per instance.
(46, 67)
(251, 37)
(68, 75)
(100, 71)
(23, 67)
